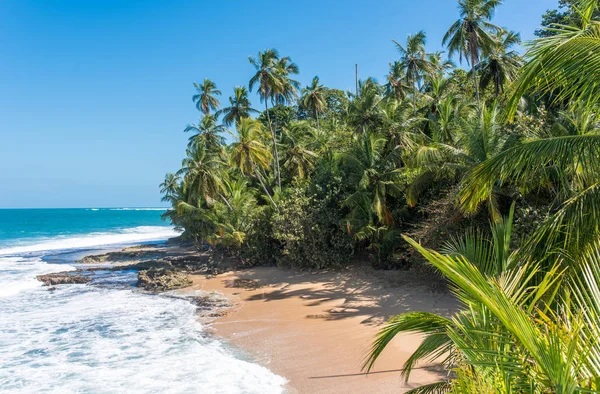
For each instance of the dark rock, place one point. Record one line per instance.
(142, 265)
(61, 278)
(162, 279)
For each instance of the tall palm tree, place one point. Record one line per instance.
(268, 80)
(396, 86)
(168, 187)
(249, 153)
(502, 62)
(472, 35)
(205, 97)
(207, 133)
(414, 60)
(288, 88)
(413, 57)
(313, 98)
(239, 107)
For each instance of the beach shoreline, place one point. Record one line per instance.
(312, 328)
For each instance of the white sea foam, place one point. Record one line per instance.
(84, 339)
(90, 338)
(132, 235)
(18, 274)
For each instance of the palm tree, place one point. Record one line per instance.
(569, 162)
(207, 133)
(168, 187)
(205, 97)
(288, 87)
(396, 86)
(299, 160)
(313, 98)
(364, 111)
(462, 142)
(502, 63)
(239, 107)
(249, 153)
(471, 35)
(413, 57)
(268, 80)
(555, 63)
(203, 172)
(519, 329)
(375, 177)
(414, 60)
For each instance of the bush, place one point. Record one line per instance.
(307, 230)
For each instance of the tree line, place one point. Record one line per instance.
(321, 176)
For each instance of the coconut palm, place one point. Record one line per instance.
(396, 86)
(313, 98)
(519, 329)
(207, 133)
(555, 63)
(364, 110)
(268, 80)
(239, 107)
(502, 63)
(203, 172)
(374, 177)
(413, 57)
(472, 35)
(299, 160)
(476, 138)
(168, 187)
(287, 91)
(567, 161)
(205, 98)
(249, 153)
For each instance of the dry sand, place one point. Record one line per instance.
(315, 328)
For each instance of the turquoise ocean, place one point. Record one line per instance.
(104, 336)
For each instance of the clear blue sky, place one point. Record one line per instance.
(94, 95)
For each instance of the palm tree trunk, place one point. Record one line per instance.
(317, 116)
(274, 143)
(475, 82)
(257, 174)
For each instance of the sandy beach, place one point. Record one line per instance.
(312, 328)
(315, 328)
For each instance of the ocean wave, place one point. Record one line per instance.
(85, 339)
(124, 236)
(18, 274)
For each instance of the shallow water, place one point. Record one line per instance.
(106, 337)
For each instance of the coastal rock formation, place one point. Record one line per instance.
(162, 279)
(61, 278)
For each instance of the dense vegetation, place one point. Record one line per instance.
(320, 175)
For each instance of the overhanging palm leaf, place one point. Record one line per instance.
(566, 63)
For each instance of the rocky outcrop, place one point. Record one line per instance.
(142, 265)
(162, 279)
(61, 278)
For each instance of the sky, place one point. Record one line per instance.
(94, 95)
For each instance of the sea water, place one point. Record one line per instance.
(104, 336)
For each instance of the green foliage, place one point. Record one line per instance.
(307, 228)
(321, 176)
